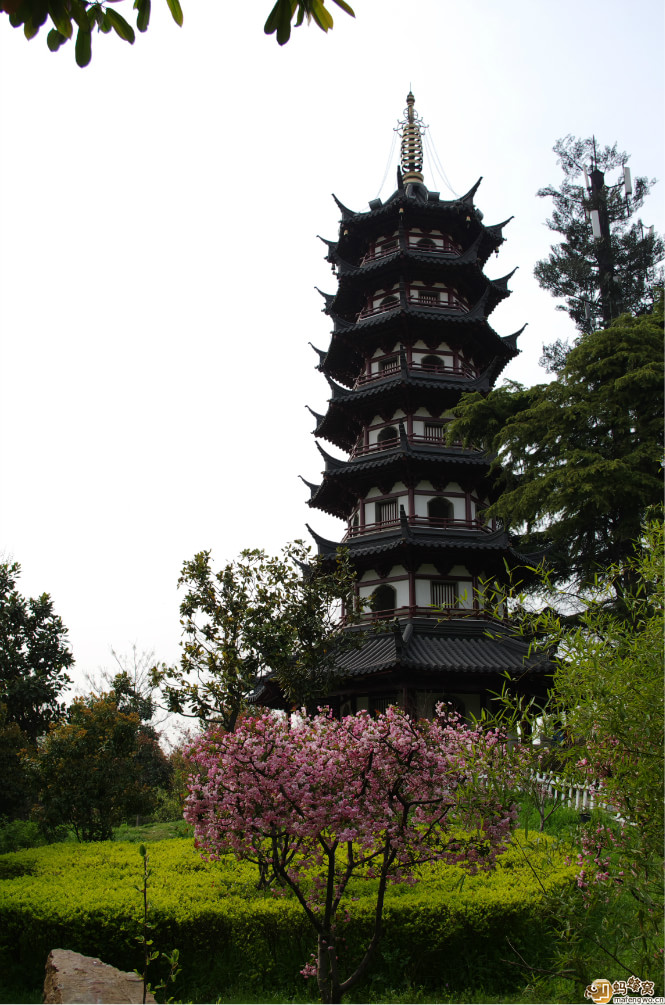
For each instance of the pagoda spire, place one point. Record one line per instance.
(411, 130)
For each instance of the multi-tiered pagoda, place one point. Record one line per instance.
(411, 335)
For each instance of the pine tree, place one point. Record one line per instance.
(598, 277)
(578, 460)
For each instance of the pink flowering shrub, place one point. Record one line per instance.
(314, 801)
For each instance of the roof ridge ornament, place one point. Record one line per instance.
(410, 130)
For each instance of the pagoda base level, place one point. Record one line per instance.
(417, 665)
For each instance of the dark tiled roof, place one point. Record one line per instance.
(444, 651)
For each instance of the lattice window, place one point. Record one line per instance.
(444, 594)
(381, 703)
(386, 512)
(434, 432)
(388, 365)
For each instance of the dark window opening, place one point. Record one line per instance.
(432, 363)
(387, 436)
(440, 510)
(383, 599)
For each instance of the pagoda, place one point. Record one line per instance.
(410, 336)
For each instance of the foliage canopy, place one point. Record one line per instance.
(603, 724)
(259, 615)
(597, 282)
(34, 656)
(96, 768)
(83, 17)
(578, 460)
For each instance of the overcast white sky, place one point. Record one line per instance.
(158, 258)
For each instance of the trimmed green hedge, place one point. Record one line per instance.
(446, 929)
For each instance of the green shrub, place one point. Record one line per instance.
(16, 834)
(445, 928)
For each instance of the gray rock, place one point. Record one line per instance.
(72, 979)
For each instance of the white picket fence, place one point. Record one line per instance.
(577, 797)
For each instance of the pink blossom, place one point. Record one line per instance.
(314, 800)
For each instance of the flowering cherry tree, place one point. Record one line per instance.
(314, 801)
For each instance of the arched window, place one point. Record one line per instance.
(387, 436)
(426, 243)
(440, 511)
(383, 599)
(432, 363)
(389, 301)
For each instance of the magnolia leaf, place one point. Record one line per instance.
(322, 16)
(55, 39)
(60, 18)
(176, 11)
(120, 26)
(285, 14)
(143, 16)
(345, 7)
(30, 29)
(83, 46)
(273, 19)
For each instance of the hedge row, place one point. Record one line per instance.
(447, 928)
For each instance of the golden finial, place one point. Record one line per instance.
(411, 130)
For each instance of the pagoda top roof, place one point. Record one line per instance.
(414, 192)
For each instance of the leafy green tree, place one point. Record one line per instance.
(284, 11)
(604, 725)
(598, 278)
(15, 799)
(131, 683)
(34, 656)
(257, 616)
(92, 770)
(578, 460)
(83, 17)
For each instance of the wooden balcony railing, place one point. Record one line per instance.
(392, 302)
(362, 449)
(439, 523)
(413, 243)
(462, 370)
(476, 614)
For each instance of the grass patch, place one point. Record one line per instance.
(149, 833)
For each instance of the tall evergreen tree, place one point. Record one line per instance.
(615, 271)
(578, 460)
(34, 656)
